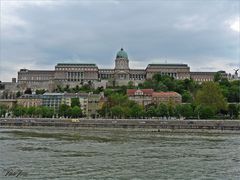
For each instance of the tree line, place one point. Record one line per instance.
(73, 111)
(217, 99)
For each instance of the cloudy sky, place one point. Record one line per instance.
(39, 34)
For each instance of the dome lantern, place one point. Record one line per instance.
(122, 54)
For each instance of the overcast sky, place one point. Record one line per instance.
(39, 34)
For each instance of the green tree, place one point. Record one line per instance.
(3, 110)
(64, 110)
(186, 110)
(130, 85)
(204, 112)
(157, 77)
(47, 112)
(170, 83)
(30, 111)
(117, 99)
(177, 110)
(234, 92)
(187, 97)
(210, 95)
(151, 112)
(86, 88)
(233, 110)
(171, 109)
(162, 110)
(18, 94)
(136, 111)
(59, 89)
(40, 91)
(19, 111)
(76, 112)
(148, 84)
(67, 88)
(108, 92)
(76, 89)
(160, 87)
(126, 111)
(217, 76)
(75, 102)
(117, 111)
(38, 112)
(28, 91)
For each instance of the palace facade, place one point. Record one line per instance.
(121, 74)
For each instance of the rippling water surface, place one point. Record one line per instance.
(118, 154)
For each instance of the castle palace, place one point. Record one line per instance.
(73, 74)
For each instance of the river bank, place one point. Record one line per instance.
(155, 125)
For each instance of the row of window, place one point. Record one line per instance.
(34, 78)
(203, 79)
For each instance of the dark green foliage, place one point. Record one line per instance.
(28, 91)
(187, 97)
(233, 110)
(64, 110)
(76, 112)
(18, 94)
(40, 91)
(210, 95)
(151, 112)
(98, 90)
(3, 110)
(67, 111)
(186, 111)
(75, 102)
(230, 90)
(136, 111)
(119, 106)
(19, 111)
(66, 88)
(59, 89)
(217, 76)
(117, 111)
(162, 110)
(204, 112)
(45, 112)
(130, 85)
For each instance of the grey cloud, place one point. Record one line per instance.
(189, 31)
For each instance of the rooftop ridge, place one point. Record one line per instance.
(168, 64)
(77, 64)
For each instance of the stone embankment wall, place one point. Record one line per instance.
(125, 123)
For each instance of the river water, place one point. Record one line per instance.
(117, 154)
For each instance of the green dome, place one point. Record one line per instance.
(122, 54)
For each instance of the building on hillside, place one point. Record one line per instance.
(83, 100)
(166, 97)
(177, 71)
(202, 76)
(73, 74)
(9, 103)
(141, 96)
(7, 94)
(94, 104)
(52, 100)
(36, 79)
(30, 100)
(9, 86)
(89, 103)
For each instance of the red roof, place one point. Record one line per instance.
(161, 94)
(131, 92)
